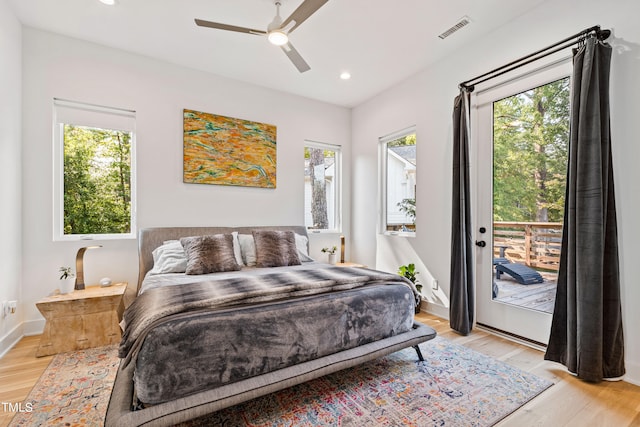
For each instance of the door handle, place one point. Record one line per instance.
(481, 243)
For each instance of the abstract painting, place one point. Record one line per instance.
(227, 151)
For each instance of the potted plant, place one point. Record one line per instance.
(409, 271)
(331, 252)
(67, 280)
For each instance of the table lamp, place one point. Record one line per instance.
(79, 268)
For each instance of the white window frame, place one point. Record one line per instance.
(337, 205)
(382, 169)
(90, 115)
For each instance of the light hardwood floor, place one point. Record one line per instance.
(19, 371)
(570, 402)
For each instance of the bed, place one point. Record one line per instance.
(223, 315)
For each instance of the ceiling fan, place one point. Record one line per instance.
(278, 30)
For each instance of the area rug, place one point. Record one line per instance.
(73, 391)
(454, 386)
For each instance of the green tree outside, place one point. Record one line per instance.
(318, 160)
(97, 181)
(531, 134)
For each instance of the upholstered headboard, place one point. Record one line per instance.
(151, 238)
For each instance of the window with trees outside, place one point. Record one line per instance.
(94, 191)
(322, 168)
(530, 137)
(398, 184)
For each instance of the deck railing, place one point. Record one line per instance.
(536, 244)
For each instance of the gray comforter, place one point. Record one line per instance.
(164, 303)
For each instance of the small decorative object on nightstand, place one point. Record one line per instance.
(331, 252)
(82, 319)
(67, 280)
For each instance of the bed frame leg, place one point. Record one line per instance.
(419, 353)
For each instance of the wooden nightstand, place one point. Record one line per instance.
(350, 264)
(81, 319)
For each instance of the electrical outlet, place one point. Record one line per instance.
(9, 307)
(434, 285)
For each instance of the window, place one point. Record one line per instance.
(398, 185)
(94, 191)
(322, 168)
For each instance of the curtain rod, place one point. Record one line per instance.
(576, 38)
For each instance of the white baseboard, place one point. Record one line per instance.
(435, 309)
(633, 373)
(33, 327)
(11, 339)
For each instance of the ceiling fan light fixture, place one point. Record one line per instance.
(278, 38)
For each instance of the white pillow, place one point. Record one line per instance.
(237, 252)
(169, 258)
(248, 249)
(303, 252)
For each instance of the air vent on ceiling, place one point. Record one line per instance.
(461, 23)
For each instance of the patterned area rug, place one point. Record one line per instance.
(73, 391)
(454, 386)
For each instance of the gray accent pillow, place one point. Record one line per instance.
(209, 254)
(275, 248)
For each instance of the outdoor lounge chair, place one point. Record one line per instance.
(502, 259)
(523, 274)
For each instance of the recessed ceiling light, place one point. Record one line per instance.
(345, 75)
(108, 2)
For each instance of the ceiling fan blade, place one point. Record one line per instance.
(209, 24)
(295, 57)
(304, 11)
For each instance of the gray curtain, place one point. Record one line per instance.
(461, 310)
(586, 332)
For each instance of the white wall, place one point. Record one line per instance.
(426, 100)
(57, 66)
(10, 172)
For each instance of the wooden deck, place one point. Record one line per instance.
(541, 296)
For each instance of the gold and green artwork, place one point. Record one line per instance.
(227, 151)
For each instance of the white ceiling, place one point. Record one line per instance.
(379, 42)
